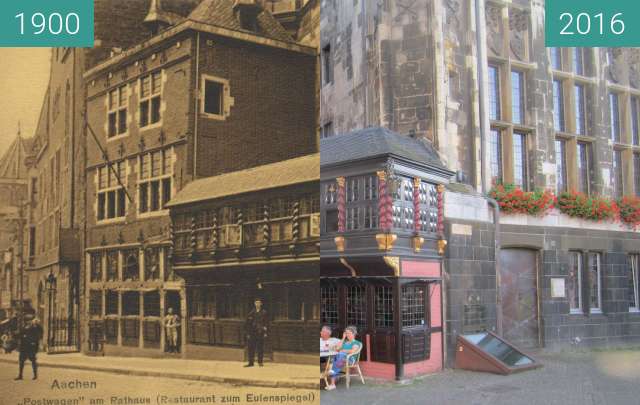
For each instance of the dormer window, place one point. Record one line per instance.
(247, 14)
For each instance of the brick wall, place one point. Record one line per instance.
(273, 116)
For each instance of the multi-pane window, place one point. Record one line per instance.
(580, 106)
(370, 217)
(152, 263)
(351, 189)
(614, 111)
(636, 171)
(352, 218)
(520, 160)
(618, 184)
(595, 282)
(95, 302)
(112, 265)
(329, 305)
(384, 306)
(154, 183)
(556, 58)
(131, 268)
(635, 124)
(117, 111)
(413, 306)
(151, 303)
(494, 92)
(584, 167)
(96, 266)
(495, 154)
(356, 308)
(634, 283)
(561, 165)
(517, 97)
(370, 187)
(111, 298)
(131, 303)
(574, 285)
(150, 98)
(111, 194)
(558, 106)
(202, 302)
(578, 61)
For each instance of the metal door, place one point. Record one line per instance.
(518, 290)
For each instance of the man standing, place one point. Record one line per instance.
(171, 323)
(29, 341)
(256, 328)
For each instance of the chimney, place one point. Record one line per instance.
(156, 20)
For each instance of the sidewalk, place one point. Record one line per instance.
(276, 375)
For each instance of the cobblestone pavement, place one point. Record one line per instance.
(599, 377)
(113, 389)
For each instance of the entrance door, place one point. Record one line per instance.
(518, 288)
(172, 300)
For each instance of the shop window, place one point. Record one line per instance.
(329, 305)
(413, 306)
(151, 303)
(95, 303)
(229, 305)
(131, 303)
(356, 311)
(112, 265)
(202, 302)
(384, 306)
(131, 265)
(152, 263)
(111, 302)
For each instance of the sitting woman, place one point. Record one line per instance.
(348, 345)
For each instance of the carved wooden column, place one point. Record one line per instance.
(342, 216)
(266, 230)
(385, 211)
(418, 240)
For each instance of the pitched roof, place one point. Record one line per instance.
(221, 13)
(376, 142)
(281, 174)
(12, 163)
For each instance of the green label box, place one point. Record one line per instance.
(46, 23)
(592, 23)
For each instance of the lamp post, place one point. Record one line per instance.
(50, 285)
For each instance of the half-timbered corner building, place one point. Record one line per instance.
(245, 235)
(382, 244)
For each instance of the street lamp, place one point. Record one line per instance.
(50, 285)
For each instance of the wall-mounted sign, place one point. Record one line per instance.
(557, 287)
(461, 229)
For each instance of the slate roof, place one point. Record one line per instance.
(220, 13)
(281, 174)
(376, 142)
(12, 163)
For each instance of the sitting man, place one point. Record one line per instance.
(327, 344)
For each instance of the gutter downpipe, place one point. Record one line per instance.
(196, 112)
(484, 127)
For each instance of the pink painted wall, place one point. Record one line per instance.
(420, 269)
(433, 365)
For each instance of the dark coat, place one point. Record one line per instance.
(30, 339)
(256, 323)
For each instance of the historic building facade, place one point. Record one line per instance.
(206, 95)
(13, 196)
(246, 235)
(475, 80)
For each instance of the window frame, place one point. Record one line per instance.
(561, 165)
(116, 188)
(166, 173)
(559, 121)
(226, 101)
(149, 99)
(598, 255)
(116, 110)
(634, 268)
(578, 283)
(495, 97)
(520, 95)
